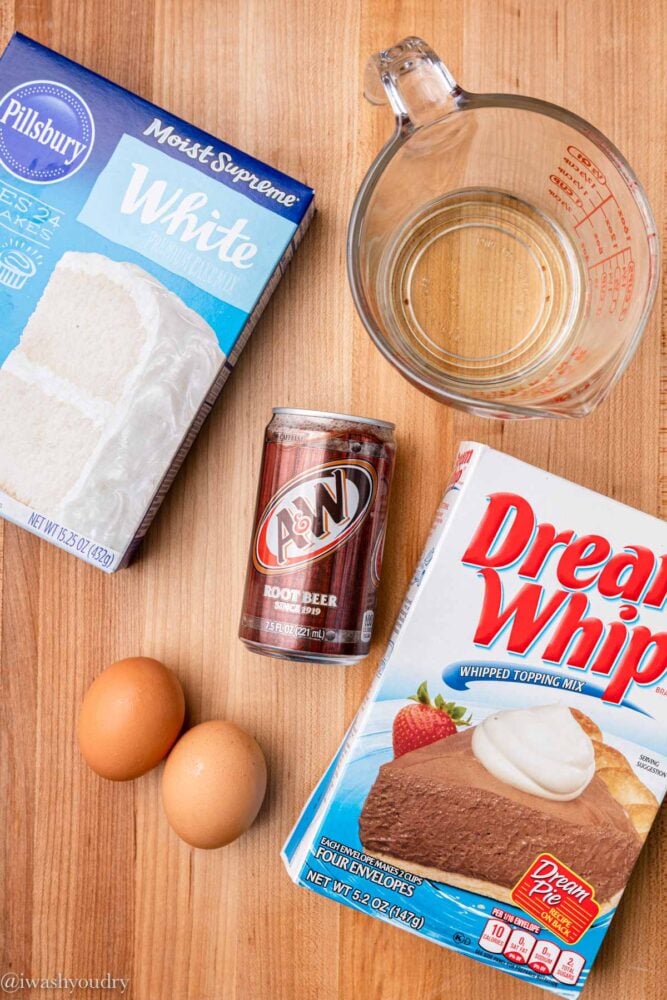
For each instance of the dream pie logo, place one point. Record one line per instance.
(46, 131)
(556, 896)
(313, 514)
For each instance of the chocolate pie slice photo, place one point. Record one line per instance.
(476, 808)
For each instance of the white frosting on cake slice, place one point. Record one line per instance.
(110, 371)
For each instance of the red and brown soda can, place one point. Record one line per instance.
(316, 552)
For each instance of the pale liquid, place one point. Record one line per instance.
(482, 287)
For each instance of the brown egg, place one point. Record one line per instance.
(213, 784)
(130, 717)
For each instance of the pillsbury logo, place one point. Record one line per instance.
(46, 131)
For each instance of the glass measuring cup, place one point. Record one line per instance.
(501, 252)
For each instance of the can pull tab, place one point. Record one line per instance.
(413, 80)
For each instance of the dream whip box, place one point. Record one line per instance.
(496, 787)
(136, 255)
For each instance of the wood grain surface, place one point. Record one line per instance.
(93, 881)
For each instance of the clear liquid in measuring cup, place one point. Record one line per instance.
(483, 287)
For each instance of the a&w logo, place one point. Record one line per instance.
(313, 514)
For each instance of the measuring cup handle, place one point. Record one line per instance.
(413, 80)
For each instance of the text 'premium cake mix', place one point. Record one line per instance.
(497, 785)
(136, 254)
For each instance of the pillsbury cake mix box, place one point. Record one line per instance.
(496, 787)
(136, 254)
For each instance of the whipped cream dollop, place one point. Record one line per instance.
(542, 751)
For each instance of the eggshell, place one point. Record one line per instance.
(130, 717)
(213, 784)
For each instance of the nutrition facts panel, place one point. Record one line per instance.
(521, 947)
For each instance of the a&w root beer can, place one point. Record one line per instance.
(316, 551)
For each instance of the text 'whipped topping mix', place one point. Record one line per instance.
(497, 784)
(136, 254)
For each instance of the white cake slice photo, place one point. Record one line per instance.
(110, 372)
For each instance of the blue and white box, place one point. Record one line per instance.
(499, 781)
(136, 255)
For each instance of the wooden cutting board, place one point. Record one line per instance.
(93, 880)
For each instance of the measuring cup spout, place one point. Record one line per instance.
(413, 80)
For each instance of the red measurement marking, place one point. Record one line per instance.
(582, 158)
(609, 197)
(610, 257)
